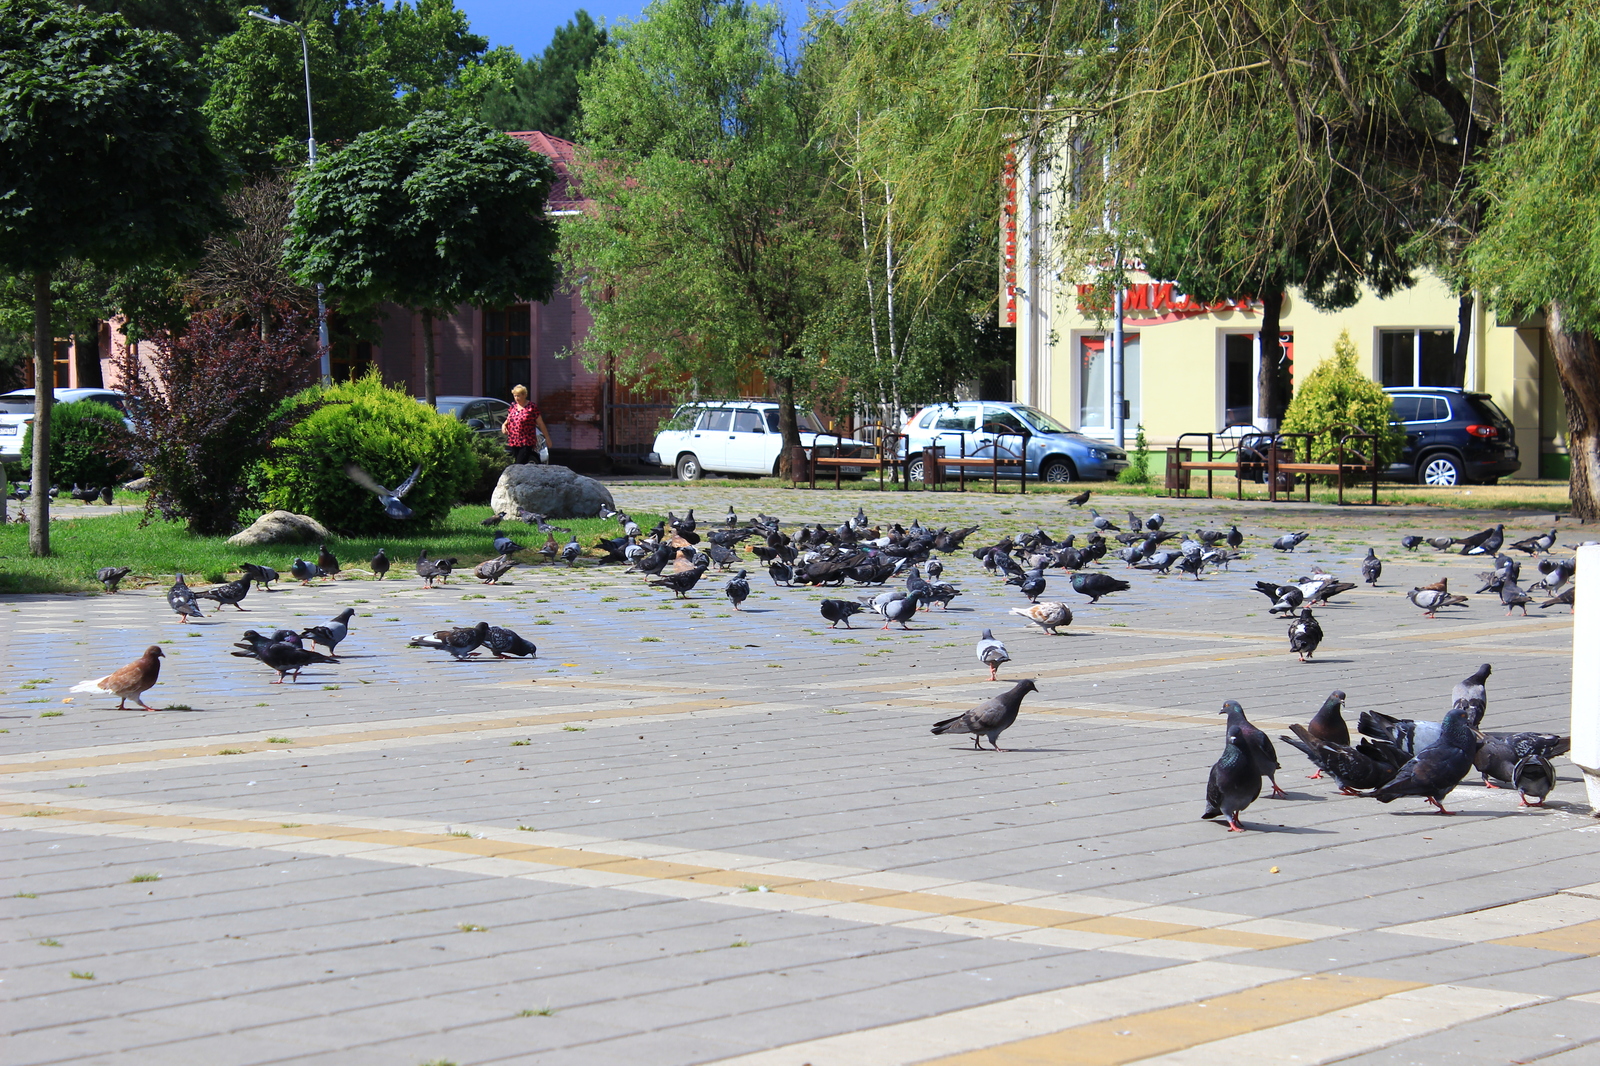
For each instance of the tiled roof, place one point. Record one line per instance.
(564, 196)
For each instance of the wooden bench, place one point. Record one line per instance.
(1180, 461)
(991, 463)
(805, 462)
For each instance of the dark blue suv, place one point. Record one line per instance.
(1452, 437)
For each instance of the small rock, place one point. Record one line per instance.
(280, 527)
(553, 491)
(141, 484)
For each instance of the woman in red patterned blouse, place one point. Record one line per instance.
(521, 421)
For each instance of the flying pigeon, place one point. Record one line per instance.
(1371, 567)
(991, 653)
(111, 576)
(836, 611)
(130, 682)
(1305, 633)
(461, 642)
(1234, 784)
(492, 570)
(1046, 615)
(326, 561)
(1436, 769)
(380, 564)
(181, 599)
(737, 590)
(1431, 600)
(390, 500)
(331, 632)
(989, 718)
(504, 642)
(1096, 585)
(1254, 742)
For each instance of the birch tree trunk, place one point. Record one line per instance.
(44, 397)
(430, 388)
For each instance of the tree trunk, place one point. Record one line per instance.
(88, 358)
(430, 388)
(1577, 356)
(1463, 335)
(44, 397)
(788, 425)
(1272, 380)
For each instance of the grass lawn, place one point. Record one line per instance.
(80, 546)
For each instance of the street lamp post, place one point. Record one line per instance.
(311, 149)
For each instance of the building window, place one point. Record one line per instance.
(348, 360)
(506, 350)
(1425, 357)
(1094, 380)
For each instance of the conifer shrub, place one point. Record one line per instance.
(387, 433)
(84, 437)
(1337, 399)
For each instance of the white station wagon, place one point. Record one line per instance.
(737, 437)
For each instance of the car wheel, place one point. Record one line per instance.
(914, 471)
(689, 467)
(1058, 471)
(1440, 470)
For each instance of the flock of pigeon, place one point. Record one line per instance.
(1392, 758)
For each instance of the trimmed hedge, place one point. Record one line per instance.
(83, 436)
(387, 433)
(1338, 397)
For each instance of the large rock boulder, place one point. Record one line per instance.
(280, 527)
(553, 491)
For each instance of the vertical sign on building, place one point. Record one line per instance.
(1008, 238)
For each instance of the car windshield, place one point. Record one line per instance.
(805, 421)
(1041, 422)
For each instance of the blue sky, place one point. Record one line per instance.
(528, 25)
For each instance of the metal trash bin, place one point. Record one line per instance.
(932, 467)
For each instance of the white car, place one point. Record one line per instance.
(738, 437)
(16, 412)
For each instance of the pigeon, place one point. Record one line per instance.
(1032, 584)
(942, 594)
(331, 632)
(1104, 524)
(781, 573)
(1192, 564)
(681, 582)
(991, 653)
(263, 576)
(1254, 742)
(304, 572)
(1080, 499)
(1305, 633)
(504, 545)
(106, 496)
(1096, 585)
(1234, 537)
(1409, 543)
(1534, 545)
(1371, 567)
(1431, 600)
(989, 718)
(504, 642)
(493, 520)
(1512, 597)
(1557, 572)
(902, 610)
(111, 576)
(281, 656)
(181, 600)
(1502, 755)
(1328, 723)
(1155, 522)
(1437, 768)
(1441, 543)
(1290, 542)
(390, 500)
(130, 682)
(1234, 784)
(429, 569)
(325, 560)
(492, 570)
(737, 590)
(1535, 776)
(1567, 596)
(1047, 616)
(380, 564)
(836, 611)
(230, 592)
(1471, 691)
(1365, 766)
(461, 642)
(1486, 543)
(935, 569)
(571, 551)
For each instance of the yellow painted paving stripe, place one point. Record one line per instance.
(1133, 1037)
(1582, 939)
(1019, 915)
(422, 728)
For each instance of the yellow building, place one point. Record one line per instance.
(1190, 368)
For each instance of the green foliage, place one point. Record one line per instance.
(387, 433)
(492, 458)
(1337, 398)
(83, 436)
(1138, 470)
(439, 213)
(542, 94)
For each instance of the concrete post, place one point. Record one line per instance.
(1586, 680)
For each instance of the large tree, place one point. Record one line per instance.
(435, 214)
(708, 251)
(542, 93)
(104, 157)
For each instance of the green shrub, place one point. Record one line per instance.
(1337, 399)
(387, 433)
(82, 436)
(492, 458)
(1137, 471)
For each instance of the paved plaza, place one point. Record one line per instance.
(688, 835)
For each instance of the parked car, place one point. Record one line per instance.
(738, 437)
(16, 413)
(1452, 436)
(1055, 452)
(485, 414)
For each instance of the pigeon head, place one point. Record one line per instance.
(153, 652)
(1025, 685)
(1231, 708)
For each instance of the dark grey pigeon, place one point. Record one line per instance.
(304, 572)
(836, 611)
(1500, 754)
(1096, 585)
(461, 642)
(1472, 692)
(1289, 542)
(989, 718)
(1255, 742)
(1305, 634)
(330, 633)
(1410, 542)
(1567, 597)
(281, 656)
(1407, 734)
(1234, 784)
(229, 592)
(504, 545)
(1489, 545)
(181, 599)
(1512, 597)
(1534, 776)
(902, 610)
(1371, 567)
(504, 642)
(111, 576)
(380, 564)
(263, 576)
(1534, 545)
(1366, 766)
(1437, 769)
(737, 590)
(390, 499)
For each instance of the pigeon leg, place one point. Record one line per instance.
(1314, 776)
(122, 704)
(886, 627)
(992, 676)
(1346, 790)
(143, 704)
(1277, 793)
(1437, 804)
(1487, 783)
(977, 744)
(1233, 822)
